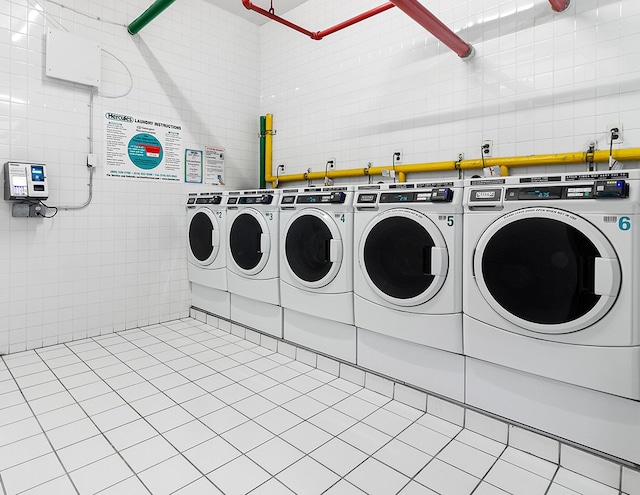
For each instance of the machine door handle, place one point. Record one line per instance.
(605, 279)
(335, 250)
(434, 261)
(215, 238)
(265, 243)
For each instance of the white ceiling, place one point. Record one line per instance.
(280, 8)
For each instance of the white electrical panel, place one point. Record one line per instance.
(73, 58)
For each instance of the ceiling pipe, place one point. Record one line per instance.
(436, 27)
(354, 20)
(317, 35)
(559, 5)
(148, 15)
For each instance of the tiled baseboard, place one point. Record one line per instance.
(612, 472)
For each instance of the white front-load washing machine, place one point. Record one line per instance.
(408, 283)
(206, 252)
(316, 269)
(551, 284)
(252, 259)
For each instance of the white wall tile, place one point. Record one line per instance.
(534, 443)
(589, 465)
(386, 83)
(120, 262)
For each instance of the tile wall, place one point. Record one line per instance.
(540, 82)
(120, 262)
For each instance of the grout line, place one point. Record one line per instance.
(53, 449)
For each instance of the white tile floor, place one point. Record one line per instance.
(186, 408)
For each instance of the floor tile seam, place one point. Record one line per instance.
(54, 451)
(483, 479)
(618, 489)
(116, 450)
(151, 383)
(434, 456)
(17, 420)
(496, 457)
(555, 473)
(525, 468)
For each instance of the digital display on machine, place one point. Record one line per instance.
(191, 201)
(209, 200)
(265, 199)
(37, 173)
(432, 196)
(534, 193)
(288, 200)
(232, 201)
(314, 198)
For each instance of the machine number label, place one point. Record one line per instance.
(219, 214)
(269, 216)
(342, 219)
(447, 218)
(624, 223)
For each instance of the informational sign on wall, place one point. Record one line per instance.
(142, 148)
(193, 166)
(214, 166)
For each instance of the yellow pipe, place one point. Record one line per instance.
(268, 151)
(504, 163)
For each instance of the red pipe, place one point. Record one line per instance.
(412, 8)
(559, 5)
(319, 34)
(435, 26)
(250, 6)
(353, 20)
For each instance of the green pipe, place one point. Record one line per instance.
(263, 132)
(148, 15)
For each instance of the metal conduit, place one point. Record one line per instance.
(148, 15)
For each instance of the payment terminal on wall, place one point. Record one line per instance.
(25, 181)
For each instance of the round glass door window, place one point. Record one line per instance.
(404, 257)
(547, 272)
(203, 232)
(313, 248)
(245, 241)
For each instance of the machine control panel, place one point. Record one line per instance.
(334, 198)
(264, 199)
(613, 188)
(435, 195)
(211, 200)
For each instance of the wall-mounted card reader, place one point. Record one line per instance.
(25, 181)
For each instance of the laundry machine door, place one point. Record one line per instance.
(547, 270)
(313, 248)
(403, 257)
(249, 241)
(204, 237)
